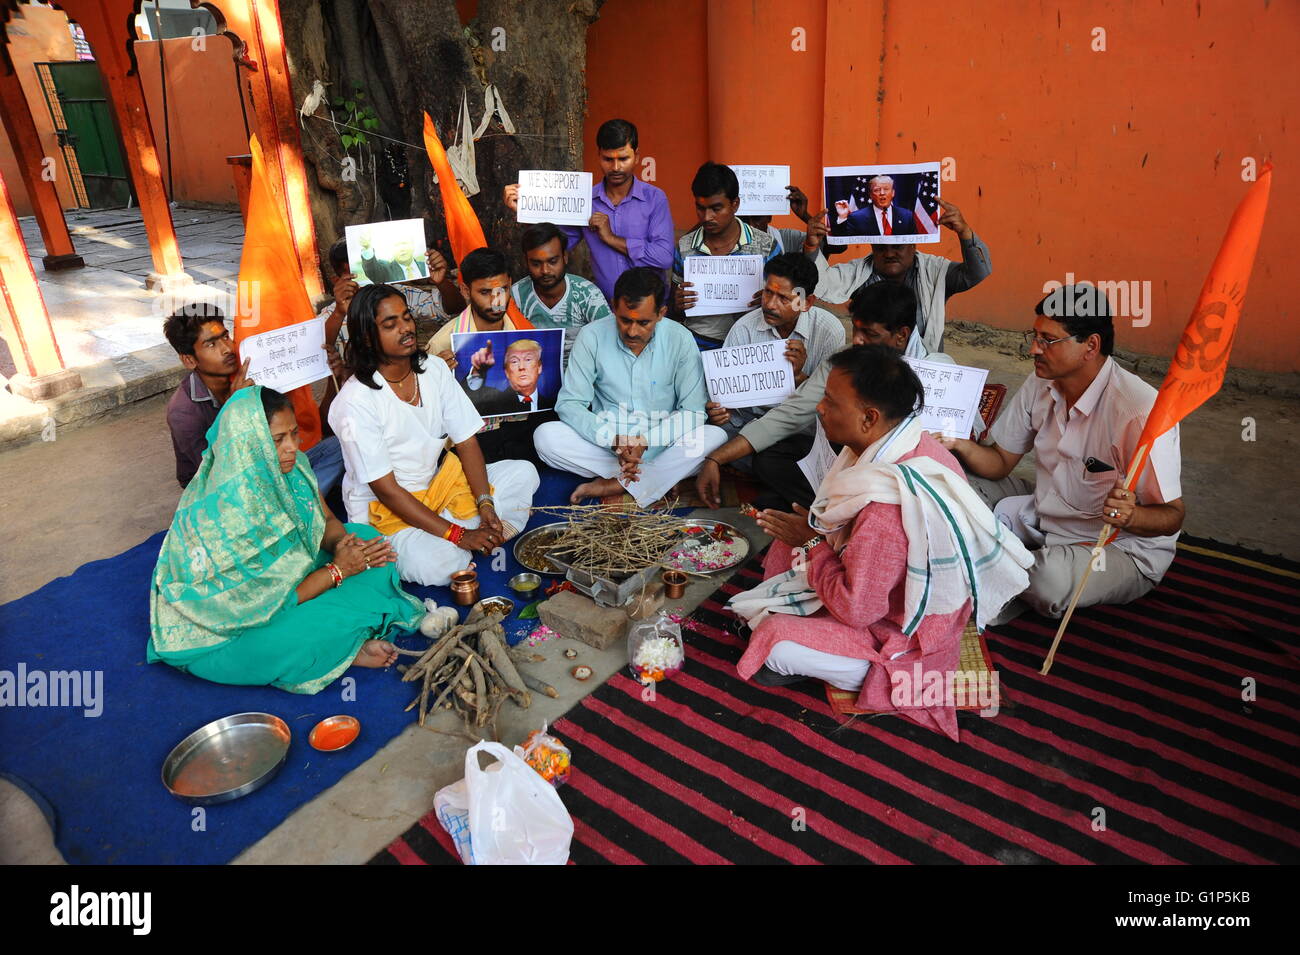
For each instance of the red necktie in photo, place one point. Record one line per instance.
(884, 217)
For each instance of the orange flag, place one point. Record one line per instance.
(271, 293)
(1202, 357)
(463, 228)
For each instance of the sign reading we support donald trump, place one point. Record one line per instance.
(748, 376)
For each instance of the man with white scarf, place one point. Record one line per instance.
(899, 552)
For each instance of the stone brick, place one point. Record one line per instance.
(577, 617)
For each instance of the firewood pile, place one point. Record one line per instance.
(471, 670)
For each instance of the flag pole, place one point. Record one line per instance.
(1102, 539)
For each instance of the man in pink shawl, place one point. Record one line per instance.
(899, 552)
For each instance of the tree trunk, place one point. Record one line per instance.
(412, 56)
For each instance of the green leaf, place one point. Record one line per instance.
(358, 95)
(348, 141)
(337, 101)
(529, 612)
(370, 123)
(350, 106)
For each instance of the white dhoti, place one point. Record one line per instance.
(425, 558)
(564, 449)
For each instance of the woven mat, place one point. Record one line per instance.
(973, 681)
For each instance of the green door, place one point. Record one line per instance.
(87, 134)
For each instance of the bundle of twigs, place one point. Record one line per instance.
(469, 669)
(612, 540)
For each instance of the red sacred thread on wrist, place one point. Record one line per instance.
(454, 533)
(335, 574)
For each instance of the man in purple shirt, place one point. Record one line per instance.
(630, 223)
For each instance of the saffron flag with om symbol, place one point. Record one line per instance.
(1202, 357)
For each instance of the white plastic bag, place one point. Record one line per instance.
(451, 804)
(515, 816)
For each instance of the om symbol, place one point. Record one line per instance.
(1208, 327)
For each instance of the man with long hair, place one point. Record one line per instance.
(394, 418)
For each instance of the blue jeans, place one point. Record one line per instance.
(326, 460)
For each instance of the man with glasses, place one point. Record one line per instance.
(1082, 415)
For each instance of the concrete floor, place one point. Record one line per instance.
(103, 310)
(1236, 491)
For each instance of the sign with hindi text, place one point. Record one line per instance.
(747, 376)
(563, 198)
(763, 190)
(952, 395)
(287, 358)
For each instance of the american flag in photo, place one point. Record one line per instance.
(927, 203)
(860, 196)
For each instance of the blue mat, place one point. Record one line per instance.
(102, 774)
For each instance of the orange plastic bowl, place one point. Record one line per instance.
(334, 733)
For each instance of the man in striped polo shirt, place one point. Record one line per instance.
(550, 297)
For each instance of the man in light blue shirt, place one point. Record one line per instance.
(632, 404)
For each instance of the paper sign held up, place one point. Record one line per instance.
(722, 283)
(952, 395)
(563, 198)
(287, 358)
(748, 376)
(763, 190)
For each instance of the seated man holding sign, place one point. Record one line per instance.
(720, 233)
(632, 404)
(1081, 414)
(932, 278)
(879, 577)
(810, 334)
(485, 284)
(394, 417)
(198, 333)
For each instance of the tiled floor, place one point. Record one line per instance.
(103, 310)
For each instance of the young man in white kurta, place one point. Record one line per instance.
(382, 434)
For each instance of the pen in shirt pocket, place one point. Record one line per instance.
(1094, 466)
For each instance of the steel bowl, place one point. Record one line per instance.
(526, 585)
(509, 606)
(345, 728)
(228, 758)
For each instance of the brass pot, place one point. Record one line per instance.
(464, 587)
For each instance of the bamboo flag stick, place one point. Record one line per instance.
(1102, 539)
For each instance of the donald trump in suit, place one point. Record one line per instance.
(882, 217)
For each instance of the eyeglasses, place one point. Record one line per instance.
(1043, 343)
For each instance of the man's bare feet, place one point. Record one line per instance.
(601, 487)
(376, 654)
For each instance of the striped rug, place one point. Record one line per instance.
(1139, 747)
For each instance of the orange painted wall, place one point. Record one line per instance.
(206, 123)
(203, 105)
(1122, 165)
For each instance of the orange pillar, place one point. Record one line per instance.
(17, 115)
(258, 37)
(24, 322)
(241, 168)
(108, 26)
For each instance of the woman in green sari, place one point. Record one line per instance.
(257, 582)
